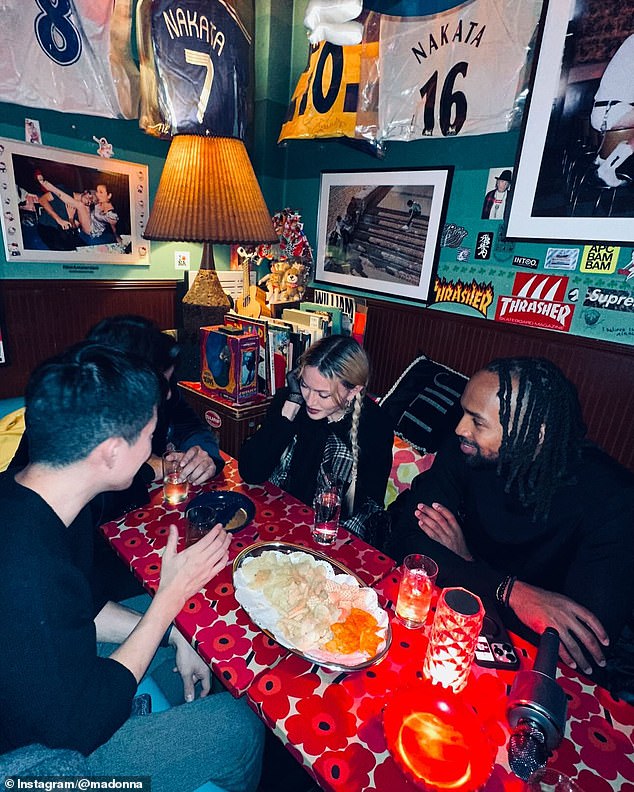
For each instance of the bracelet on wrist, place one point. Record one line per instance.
(509, 588)
(500, 592)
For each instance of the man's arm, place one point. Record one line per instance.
(115, 623)
(202, 460)
(182, 575)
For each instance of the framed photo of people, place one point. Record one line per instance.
(379, 231)
(61, 206)
(574, 175)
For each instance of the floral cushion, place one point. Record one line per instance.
(407, 463)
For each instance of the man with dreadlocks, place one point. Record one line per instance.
(520, 509)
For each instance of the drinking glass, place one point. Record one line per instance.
(415, 590)
(175, 484)
(453, 638)
(327, 506)
(199, 521)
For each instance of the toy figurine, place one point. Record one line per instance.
(274, 280)
(294, 282)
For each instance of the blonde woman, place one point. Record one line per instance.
(324, 428)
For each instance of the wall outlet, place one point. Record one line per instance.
(181, 259)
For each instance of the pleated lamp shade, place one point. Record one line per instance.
(208, 192)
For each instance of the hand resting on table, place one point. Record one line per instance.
(537, 608)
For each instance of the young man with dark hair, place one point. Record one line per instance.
(90, 414)
(177, 423)
(519, 508)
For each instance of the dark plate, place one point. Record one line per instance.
(234, 510)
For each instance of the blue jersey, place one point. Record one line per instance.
(201, 50)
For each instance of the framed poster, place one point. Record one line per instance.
(60, 206)
(379, 231)
(564, 187)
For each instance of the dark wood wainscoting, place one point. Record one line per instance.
(602, 371)
(42, 317)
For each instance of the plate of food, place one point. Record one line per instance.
(312, 605)
(233, 509)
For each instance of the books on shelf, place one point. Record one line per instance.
(282, 341)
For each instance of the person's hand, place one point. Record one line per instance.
(539, 609)
(65, 224)
(191, 667)
(185, 573)
(441, 525)
(197, 465)
(294, 390)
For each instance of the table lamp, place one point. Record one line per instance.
(208, 193)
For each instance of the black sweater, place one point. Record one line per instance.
(584, 549)
(54, 689)
(261, 453)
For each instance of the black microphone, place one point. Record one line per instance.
(536, 710)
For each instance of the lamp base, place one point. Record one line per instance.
(204, 304)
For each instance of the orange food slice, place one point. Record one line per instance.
(358, 632)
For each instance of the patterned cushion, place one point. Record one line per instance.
(424, 403)
(407, 463)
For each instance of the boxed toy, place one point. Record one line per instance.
(229, 363)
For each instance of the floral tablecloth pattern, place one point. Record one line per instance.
(332, 722)
(217, 626)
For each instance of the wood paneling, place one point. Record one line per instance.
(42, 317)
(602, 371)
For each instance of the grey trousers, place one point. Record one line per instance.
(217, 739)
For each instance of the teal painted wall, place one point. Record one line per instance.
(472, 159)
(290, 174)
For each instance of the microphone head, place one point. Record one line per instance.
(527, 749)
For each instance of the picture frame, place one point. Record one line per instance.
(365, 238)
(88, 227)
(557, 194)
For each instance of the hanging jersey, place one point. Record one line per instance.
(69, 55)
(457, 72)
(197, 54)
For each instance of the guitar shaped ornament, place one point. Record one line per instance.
(253, 301)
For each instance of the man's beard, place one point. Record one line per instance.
(478, 461)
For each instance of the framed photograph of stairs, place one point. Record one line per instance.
(378, 231)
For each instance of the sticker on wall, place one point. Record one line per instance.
(610, 299)
(525, 261)
(561, 258)
(484, 242)
(476, 295)
(463, 254)
(537, 301)
(32, 132)
(599, 259)
(498, 191)
(452, 235)
(628, 270)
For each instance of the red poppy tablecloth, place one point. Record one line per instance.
(332, 722)
(212, 619)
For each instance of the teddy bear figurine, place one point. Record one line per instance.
(274, 280)
(294, 282)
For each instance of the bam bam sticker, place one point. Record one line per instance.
(599, 259)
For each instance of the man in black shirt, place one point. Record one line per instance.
(519, 508)
(90, 415)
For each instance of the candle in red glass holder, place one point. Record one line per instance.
(437, 739)
(453, 638)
